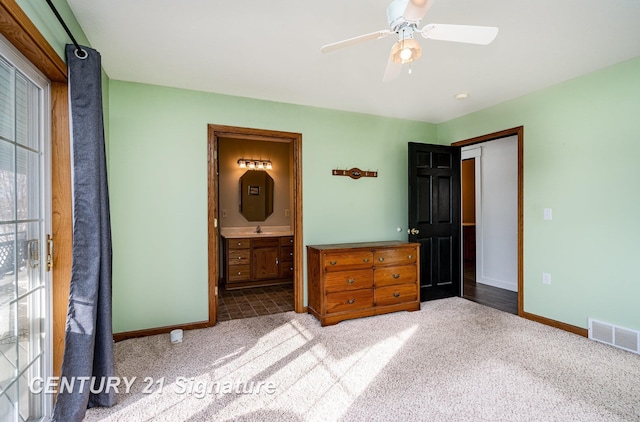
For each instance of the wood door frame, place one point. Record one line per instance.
(519, 132)
(18, 29)
(216, 132)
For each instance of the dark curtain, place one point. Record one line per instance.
(88, 350)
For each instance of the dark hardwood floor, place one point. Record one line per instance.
(502, 299)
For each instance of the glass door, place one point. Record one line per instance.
(25, 358)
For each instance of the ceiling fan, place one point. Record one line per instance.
(404, 16)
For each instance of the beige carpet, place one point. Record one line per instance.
(454, 360)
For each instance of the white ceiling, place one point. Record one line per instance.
(271, 50)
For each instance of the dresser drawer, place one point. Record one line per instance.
(239, 257)
(349, 301)
(348, 280)
(264, 242)
(336, 261)
(400, 293)
(395, 256)
(239, 273)
(386, 276)
(239, 243)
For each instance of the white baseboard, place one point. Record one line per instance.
(498, 283)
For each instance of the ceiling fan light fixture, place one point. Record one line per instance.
(406, 51)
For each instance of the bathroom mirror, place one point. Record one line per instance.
(256, 195)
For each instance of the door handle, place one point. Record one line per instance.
(413, 231)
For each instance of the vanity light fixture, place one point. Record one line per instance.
(255, 164)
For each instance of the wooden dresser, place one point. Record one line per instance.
(353, 280)
(258, 261)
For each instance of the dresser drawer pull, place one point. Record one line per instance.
(351, 301)
(333, 262)
(351, 281)
(396, 294)
(409, 256)
(381, 259)
(365, 260)
(239, 257)
(290, 253)
(396, 276)
(291, 268)
(239, 243)
(239, 272)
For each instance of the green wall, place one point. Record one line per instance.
(580, 144)
(580, 140)
(158, 188)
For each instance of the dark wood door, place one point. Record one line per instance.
(434, 217)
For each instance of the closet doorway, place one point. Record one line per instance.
(492, 219)
(223, 213)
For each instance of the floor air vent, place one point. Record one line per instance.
(613, 335)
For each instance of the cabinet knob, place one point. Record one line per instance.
(291, 269)
(396, 276)
(290, 253)
(239, 257)
(365, 260)
(396, 294)
(409, 256)
(351, 281)
(239, 243)
(290, 240)
(333, 262)
(351, 301)
(239, 272)
(381, 259)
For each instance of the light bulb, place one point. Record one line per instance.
(405, 54)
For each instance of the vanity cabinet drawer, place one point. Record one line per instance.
(238, 243)
(348, 280)
(239, 273)
(386, 276)
(286, 241)
(395, 256)
(349, 301)
(286, 253)
(392, 295)
(239, 257)
(337, 261)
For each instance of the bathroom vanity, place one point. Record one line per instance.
(257, 260)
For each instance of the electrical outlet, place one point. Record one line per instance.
(548, 215)
(546, 278)
(287, 212)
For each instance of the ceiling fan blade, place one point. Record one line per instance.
(393, 69)
(416, 9)
(355, 40)
(460, 33)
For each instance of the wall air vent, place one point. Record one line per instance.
(622, 338)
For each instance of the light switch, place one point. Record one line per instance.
(547, 214)
(546, 278)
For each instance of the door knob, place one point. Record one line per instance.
(413, 231)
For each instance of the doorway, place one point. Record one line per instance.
(479, 282)
(293, 142)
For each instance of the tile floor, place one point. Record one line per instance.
(256, 301)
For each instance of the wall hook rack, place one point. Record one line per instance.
(354, 173)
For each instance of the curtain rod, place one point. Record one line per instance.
(83, 54)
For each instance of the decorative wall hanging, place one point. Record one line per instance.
(354, 173)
